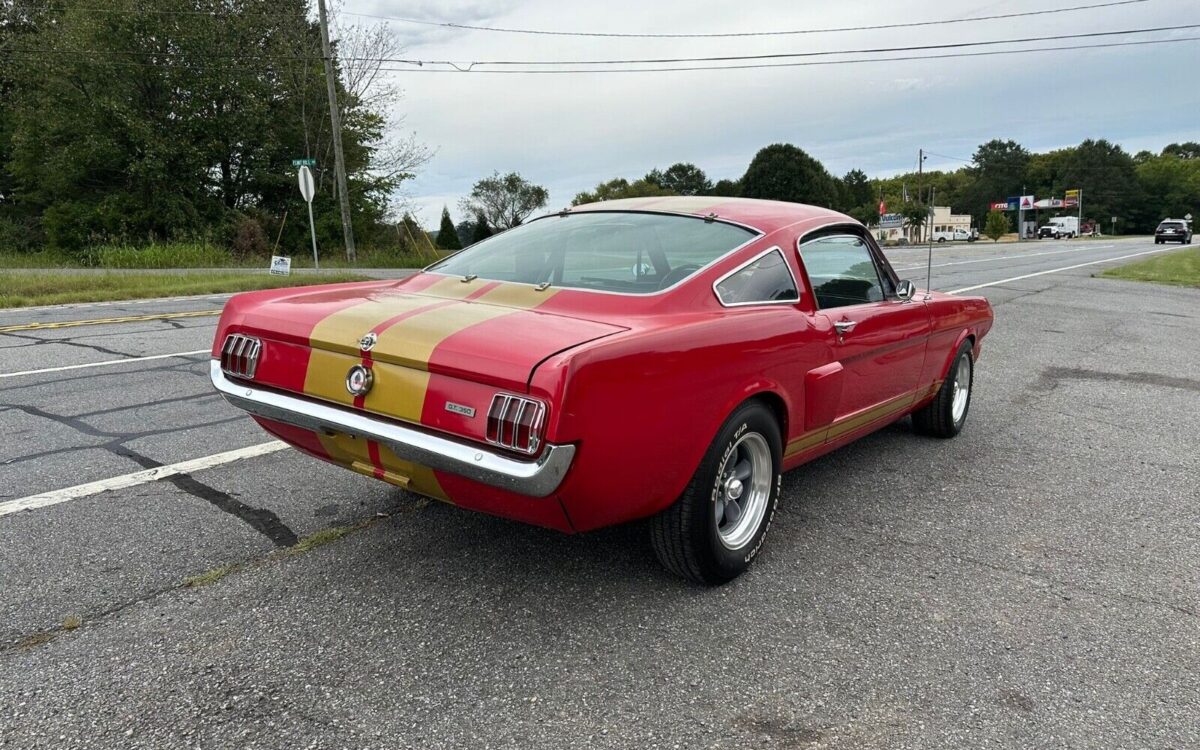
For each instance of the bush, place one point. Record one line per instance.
(249, 239)
(173, 255)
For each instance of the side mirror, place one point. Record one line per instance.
(905, 290)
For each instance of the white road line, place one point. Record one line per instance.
(118, 302)
(105, 363)
(1055, 270)
(140, 477)
(1005, 257)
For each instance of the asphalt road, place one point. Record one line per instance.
(1033, 583)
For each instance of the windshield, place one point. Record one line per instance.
(634, 253)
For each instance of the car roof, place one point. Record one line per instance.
(763, 215)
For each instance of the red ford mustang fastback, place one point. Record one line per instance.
(663, 357)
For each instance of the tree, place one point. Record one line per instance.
(681, 179)
(996, 225)
(998, 171)
(857, 191)
(620, 188)
(1175, 184)
(727, 188)
(186, 144)
(916, 215)
(447, 238)
(482, 230)
(1189, 150)
(505, 201)
(785, 173)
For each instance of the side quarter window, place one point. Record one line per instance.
(842, 271)
(766, 279)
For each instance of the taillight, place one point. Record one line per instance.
(239, 355)
(515, 422)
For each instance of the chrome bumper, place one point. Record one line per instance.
(537, 478)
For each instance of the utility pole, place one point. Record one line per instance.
(339, 158)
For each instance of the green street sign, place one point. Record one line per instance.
(304, 162)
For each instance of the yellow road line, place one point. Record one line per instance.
(108, 321)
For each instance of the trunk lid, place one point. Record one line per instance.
(439, 353)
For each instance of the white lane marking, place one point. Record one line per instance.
(118, 302)
(1055, 270)
(1006, 257)
(105, 363)
(139, 477)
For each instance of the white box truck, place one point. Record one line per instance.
(1060, 227)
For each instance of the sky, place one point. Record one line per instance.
(570, 132)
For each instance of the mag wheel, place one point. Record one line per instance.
(713, 532)
(945, 416)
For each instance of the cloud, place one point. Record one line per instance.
(571, 132)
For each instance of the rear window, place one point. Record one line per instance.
(1171, 225)
(634, 253)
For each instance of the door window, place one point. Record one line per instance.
(842, 271)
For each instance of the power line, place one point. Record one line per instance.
(722, 35)
(760, 66)
(464, 66)
(50, 57)
(788, 55)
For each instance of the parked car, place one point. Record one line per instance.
(1060, 227)
(662, 358)
(1173, 230)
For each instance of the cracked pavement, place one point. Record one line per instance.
(1032, 583)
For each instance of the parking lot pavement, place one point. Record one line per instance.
(1033, 583)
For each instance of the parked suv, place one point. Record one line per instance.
(1173, 230)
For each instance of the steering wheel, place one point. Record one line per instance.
(677, 274)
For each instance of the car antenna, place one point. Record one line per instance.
(929, 260)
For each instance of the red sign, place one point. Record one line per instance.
(882, 208)
(1000, 206)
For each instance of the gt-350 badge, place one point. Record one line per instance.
(367, 343)
(466, 411)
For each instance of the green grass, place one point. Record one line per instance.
(200, 255)
(209, 577)
(1180, 268)
(50, 288)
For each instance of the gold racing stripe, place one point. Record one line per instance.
(355, 453)
(420, 334)
(400, 392)
(837, 429)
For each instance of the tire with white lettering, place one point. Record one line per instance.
(945, 416)
(716, 528)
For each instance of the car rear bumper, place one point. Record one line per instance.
(537, 478)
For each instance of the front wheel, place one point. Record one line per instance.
(945, 416)
(716, 528)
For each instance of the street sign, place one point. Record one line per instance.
(307, 190)
(891, 221)
(281, 265)
(307, 187)
(1026, 202)
(304, 162)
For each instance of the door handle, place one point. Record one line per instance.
(845, 326)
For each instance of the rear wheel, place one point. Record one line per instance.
(945, 416)
(713, 532)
